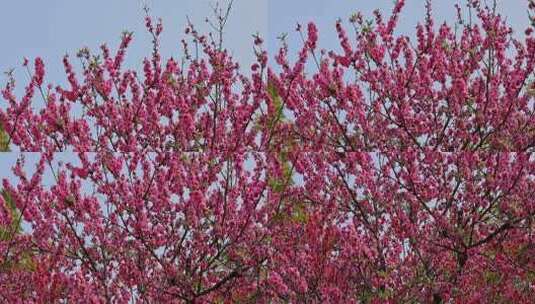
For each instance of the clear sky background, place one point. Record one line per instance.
(52, 28)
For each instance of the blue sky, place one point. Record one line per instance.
(52, 28)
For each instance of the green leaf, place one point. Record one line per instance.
(24, 261)
(300, 214)
(4, 140)
(277, 104)
(6, 232)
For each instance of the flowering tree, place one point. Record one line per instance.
(394, 171)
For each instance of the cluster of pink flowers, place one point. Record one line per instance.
(390, 172)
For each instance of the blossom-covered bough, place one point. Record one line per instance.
(394, 171)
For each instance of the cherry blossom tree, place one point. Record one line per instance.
(395, 170)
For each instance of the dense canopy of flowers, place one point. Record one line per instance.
(395, 170)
